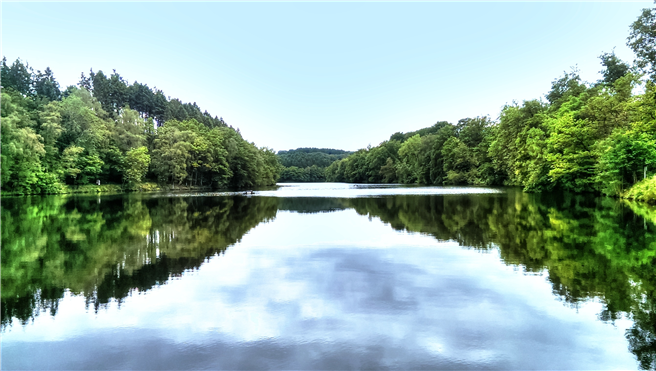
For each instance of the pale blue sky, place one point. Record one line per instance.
(339, 75)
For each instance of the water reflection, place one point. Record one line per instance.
(105, 250)
(591, 247)
(588, 249)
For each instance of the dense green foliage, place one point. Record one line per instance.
(585, 137)
(109, 131)
(644, 190)
(309, 174)
(445, 154)
(306, 157)
(308, 164)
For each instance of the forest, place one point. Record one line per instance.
(586, 136)
(308, 164)
(597, 136)
(106, 130)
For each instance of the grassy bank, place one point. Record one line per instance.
(644, 191)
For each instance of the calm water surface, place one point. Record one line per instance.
(329, 276)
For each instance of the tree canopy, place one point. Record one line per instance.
(308, 164)
(110, 131)
(597, 136)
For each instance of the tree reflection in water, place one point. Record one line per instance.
(591, 248)
(106, 250)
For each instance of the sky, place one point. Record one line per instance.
(325, 74)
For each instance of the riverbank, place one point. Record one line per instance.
(93, 188)
(643, 191)
(119, 188)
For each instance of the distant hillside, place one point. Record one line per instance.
(328, 151)
(306, 157)
(308, 164)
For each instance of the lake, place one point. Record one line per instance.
(329, 276)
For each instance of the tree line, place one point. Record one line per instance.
(107, 130)
(304, 157)
(308, 164)
(585, 136)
